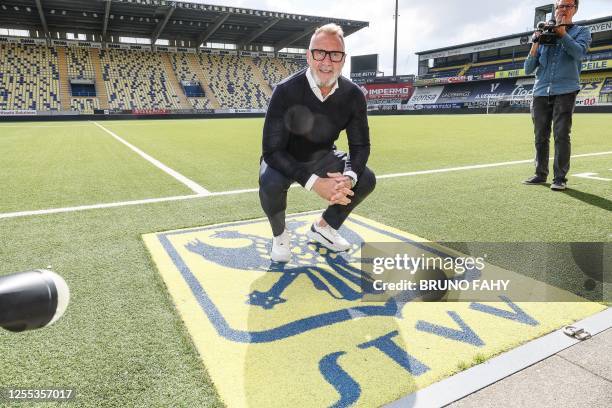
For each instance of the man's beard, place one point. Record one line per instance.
(320, 82)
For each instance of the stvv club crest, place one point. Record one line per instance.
(301, 334)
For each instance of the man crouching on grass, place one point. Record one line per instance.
(305, 116)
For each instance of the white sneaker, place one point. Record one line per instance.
(281, 247)
(328, 237)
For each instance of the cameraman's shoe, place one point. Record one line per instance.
(281, 247)
(535, 181)
(558, 186)
(328, 237)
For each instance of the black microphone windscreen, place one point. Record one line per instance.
(32, 299)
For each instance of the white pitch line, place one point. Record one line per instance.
(477, 166)
(195, 187)
(251, 190)
(98, 206)
(41, 126)
(125, 203)
(234, 192)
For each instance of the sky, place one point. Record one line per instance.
(422, 25)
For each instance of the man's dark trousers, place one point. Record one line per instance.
(553, 111)
(273, 187)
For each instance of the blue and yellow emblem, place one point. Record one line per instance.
(300, 334)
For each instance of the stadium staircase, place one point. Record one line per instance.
(464, 70)
(64, 79)
(283, 69)
(258, 76)
(204, 80)
(174, 82)
(100, 87)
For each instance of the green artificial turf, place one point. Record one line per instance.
(61, 166)
(207, 150)
(121, 342)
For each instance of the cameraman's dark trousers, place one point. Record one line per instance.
(553, 111)
(273, 187)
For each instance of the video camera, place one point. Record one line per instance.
(548, 36)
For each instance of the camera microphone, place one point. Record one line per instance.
(31, 300)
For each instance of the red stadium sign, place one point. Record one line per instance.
(457, 79)
(150, 111)
(378, 92)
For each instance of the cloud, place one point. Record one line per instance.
(422, 24)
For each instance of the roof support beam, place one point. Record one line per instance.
(162, 24)
(295, 37)
(43, 20)
(211, 30)
(106, 17)
(257, 33)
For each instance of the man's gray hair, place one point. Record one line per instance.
(332, 29)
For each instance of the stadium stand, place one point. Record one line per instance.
(493, 78)
(174, 82)
(64, 79)
(80, 65)
(239, 71)
(185, 71)
(29, 78)
(292, 65)
(275, 70)
(232, 80)
(142, 59)
(444, 72)
(272, 71)
(137, 80)
(99, 82)
(600, 53)
(182, 67)
(259, 78)
(204, 80)
(501, 65)
(85, 105)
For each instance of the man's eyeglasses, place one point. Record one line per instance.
(334, 56)
(566, 6)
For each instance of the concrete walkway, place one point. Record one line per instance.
(579, 376)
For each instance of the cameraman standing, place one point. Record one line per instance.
(557, 67)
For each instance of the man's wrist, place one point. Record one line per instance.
(352, 175)
(311, 181)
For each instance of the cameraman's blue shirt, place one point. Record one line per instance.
(557, 67)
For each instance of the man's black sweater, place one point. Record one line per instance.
(300, 128)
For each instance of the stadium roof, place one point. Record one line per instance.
(507, 37)
(194, 22)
